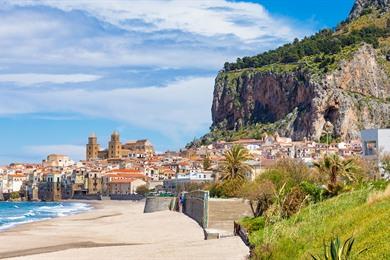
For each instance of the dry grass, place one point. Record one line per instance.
(378, 195)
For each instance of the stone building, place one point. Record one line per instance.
(114, 146)
(50, 187)
(139, 148)
(116, 150)
(93, 148)
(57, 160)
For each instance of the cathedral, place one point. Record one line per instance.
(117, 150)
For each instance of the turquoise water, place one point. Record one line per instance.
(14, 213)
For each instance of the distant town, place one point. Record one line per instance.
(127, 170)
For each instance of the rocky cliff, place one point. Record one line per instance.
(350, 94)
(361, 6)
(354, 96)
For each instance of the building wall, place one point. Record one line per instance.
(114, 147)
(92, 152)
(384, 140)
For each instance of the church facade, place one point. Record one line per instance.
(116, 150)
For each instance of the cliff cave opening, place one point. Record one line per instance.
(331, 114)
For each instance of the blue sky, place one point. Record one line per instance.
(144, 68)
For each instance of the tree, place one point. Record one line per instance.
(235, 165)
(142, 190)
(260, 196)
(206, 162)
(335, 167)
(385, 161)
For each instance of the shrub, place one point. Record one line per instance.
(385, 161)
(316, 193)
(15, 195)
(378, 195)
(253, 224)
(231, 188)
(288, 173)
(142, 190)
(260, 195)
(293, 202)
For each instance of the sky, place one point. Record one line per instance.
(143, 68)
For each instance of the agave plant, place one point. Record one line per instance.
(339, 251)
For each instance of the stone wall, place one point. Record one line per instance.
(196, 206)
(87, 197)
(126, 197)
(153, 204)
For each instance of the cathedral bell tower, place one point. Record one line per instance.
(114, 146)
(92, 148)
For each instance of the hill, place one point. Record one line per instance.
(335, 81)
(346, 215)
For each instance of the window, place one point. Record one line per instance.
(370, 148)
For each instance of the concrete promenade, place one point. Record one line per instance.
(117, 230)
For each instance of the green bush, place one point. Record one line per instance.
(325, 42)
(15, 195)
(252, 224)
(227, 189)
(315, 192)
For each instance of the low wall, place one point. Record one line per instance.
(87, 197)
(153, 204)
(126, 197)
(196, 206)
(242, 233)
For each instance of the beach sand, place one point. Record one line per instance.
(117, 230)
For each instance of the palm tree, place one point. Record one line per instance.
(335, 166)
(235, 165)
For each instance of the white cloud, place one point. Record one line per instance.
(179, 34)
(75, 152)
(176, 110)
(245, 20)
(32, 78)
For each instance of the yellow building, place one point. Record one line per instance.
(93, 148)
(116, 150)
(114, 146)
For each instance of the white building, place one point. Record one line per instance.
(57, 160)
(194, 175)
(376, 142)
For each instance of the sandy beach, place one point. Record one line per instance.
(117, 230)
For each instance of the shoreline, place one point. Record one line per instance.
(11, 225)
(117, 230)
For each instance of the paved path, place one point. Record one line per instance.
(223, 212)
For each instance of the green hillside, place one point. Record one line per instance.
(346, 215)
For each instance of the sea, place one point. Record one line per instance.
(15, 213)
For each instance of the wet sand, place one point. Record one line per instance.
(117, 230)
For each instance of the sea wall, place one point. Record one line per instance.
(153, 204)
(86, 197)
(126, 197)
(196, 206)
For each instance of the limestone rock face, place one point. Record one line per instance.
(361, 5)
(350, 98)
